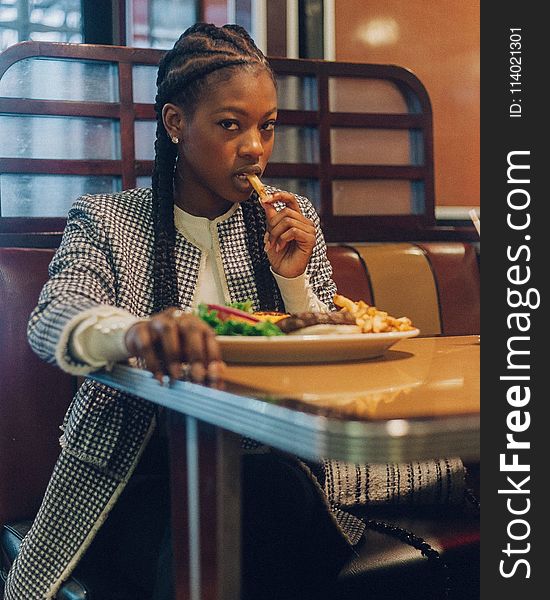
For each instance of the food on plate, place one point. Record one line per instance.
(238, 311)
(369, 319)
(231, 320)
(238, 318)
(257, 185)
(318, 323)
(270, 315)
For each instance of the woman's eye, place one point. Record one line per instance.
(269, 126)
(229, 124)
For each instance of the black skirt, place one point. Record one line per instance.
(130, 557)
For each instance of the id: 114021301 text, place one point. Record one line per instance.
(515, 71)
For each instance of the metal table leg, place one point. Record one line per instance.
(206, 510)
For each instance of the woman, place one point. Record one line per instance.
(129, 269)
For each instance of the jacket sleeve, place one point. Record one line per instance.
(319, 270)
(81, 277)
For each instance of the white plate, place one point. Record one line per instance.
(309, 348)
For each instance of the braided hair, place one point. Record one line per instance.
(182, 78)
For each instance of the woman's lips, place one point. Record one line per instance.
(242, 183)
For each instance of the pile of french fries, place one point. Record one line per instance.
(371, 320)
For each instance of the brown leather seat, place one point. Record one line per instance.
(349, 273)
(33, 395)
(436, 284)
(456, 274)
(403, 283)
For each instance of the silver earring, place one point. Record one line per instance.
(175, 139)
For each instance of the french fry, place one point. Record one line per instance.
(258, 186)
(369, 319)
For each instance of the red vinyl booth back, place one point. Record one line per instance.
(33, 395)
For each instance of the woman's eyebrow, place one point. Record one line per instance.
(241, 111)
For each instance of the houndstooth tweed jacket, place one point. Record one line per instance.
(106, 257)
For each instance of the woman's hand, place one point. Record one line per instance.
(290, 236)
(171, 337)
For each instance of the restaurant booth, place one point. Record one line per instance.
(355, 138)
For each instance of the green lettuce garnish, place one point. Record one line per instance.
(245, 306)
(230, 327)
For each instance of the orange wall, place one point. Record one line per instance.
(439, 41)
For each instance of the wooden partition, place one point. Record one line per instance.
(355, 138)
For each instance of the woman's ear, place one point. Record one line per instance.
(172, 117)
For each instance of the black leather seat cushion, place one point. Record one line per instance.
(389, 568)
(383, 568)
(10, 539)
(293, 553)
(86, 582)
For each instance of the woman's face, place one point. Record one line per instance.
(230, 133)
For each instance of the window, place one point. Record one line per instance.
(354, 138)
(310, 23)
(158, 23)
(41, 20)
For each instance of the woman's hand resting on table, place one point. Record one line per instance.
(290, 236)
(172, 337)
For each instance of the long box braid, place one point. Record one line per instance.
(182, 78)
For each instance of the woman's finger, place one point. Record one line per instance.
(287, 198)
(141, 344)
(209, 366)
(267, 243)
(215, 367)
(213, 351)
(168, 343)
(193, 343)
(288, 213)
(295, 234)
(288, 221)
(272, 214)
(172, 337)
(270, 211)
(287, 224)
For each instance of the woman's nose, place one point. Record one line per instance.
(251, 144)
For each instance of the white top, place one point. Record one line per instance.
(97, 337)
